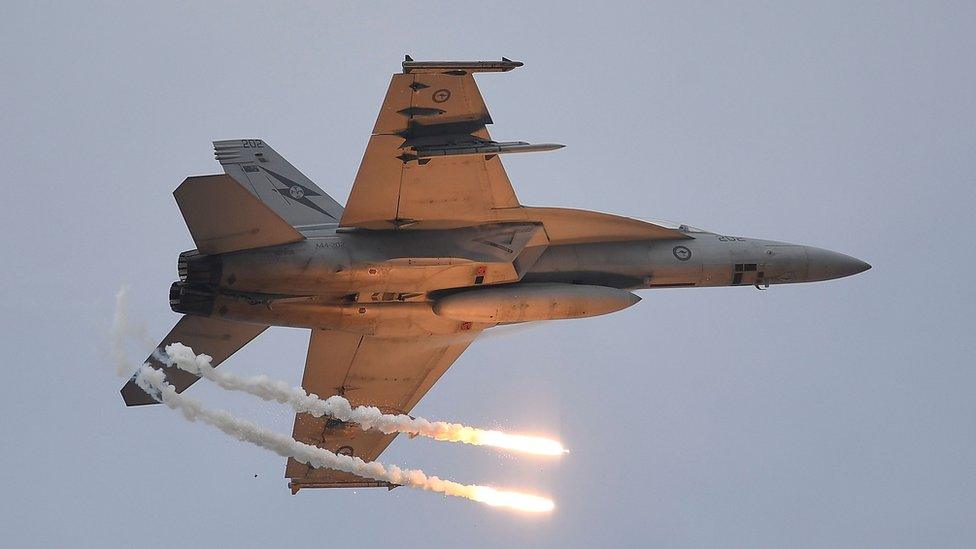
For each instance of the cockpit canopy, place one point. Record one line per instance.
(678, 226)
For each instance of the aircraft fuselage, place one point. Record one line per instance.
(364, 281)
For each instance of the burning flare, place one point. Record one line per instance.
(367, 417)
(512, 500)
(519, 443)
(154, 382)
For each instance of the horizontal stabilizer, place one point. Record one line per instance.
(224, 217)
(217, 338)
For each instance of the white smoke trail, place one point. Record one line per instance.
(123, 331)
(117, 333)
(367, 417)
(154, 382)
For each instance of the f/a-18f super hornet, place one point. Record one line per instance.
(431, 249)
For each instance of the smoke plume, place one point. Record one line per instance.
(154, 383)
(367, 417)
(122, 332)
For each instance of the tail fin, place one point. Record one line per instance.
(217, 338)
(224, 217)
(256, 166)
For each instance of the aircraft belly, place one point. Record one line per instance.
(674, 263)
(382, 319)
(387, 262)
(716, 262)
(625, 265)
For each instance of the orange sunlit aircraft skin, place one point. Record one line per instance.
(431, 249)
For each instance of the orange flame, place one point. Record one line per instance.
(512, 500)
(517, 443)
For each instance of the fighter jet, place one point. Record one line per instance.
(431, 249)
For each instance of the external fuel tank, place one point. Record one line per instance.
(532, 301)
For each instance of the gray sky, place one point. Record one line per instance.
(836, 414)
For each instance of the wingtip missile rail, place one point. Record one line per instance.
(478, 149)
(505, 65)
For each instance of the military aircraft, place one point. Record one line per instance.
(431, 249)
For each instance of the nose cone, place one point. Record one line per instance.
(826, 265)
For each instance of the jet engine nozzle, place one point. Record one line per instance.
(199, 270)
(191, 300)
(532, 301)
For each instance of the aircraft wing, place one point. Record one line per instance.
(430, 162)
(391, 374)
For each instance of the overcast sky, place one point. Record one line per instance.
(835, 414)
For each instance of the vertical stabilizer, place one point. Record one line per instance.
(256, 166)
